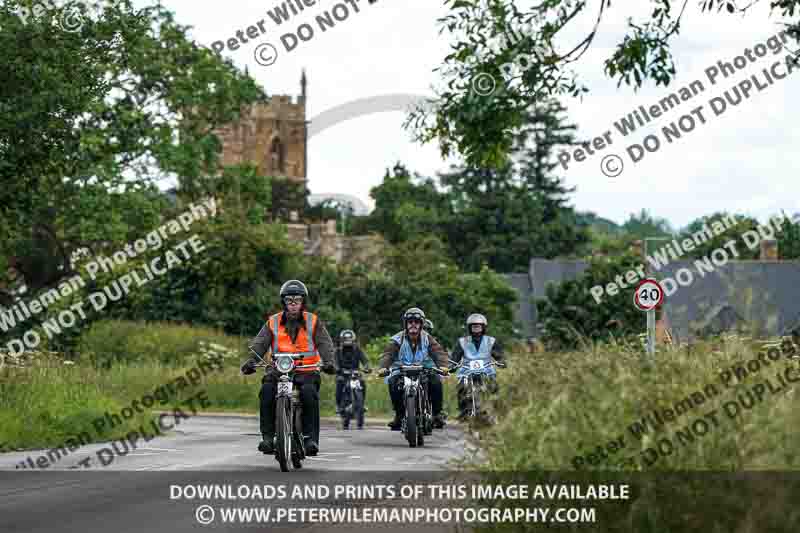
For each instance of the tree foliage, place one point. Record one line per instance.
(91, 120)
(743, 224)
(489, 38)
(569, 315)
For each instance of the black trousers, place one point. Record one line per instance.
(435, 390)
(340, 382)
(308, 383)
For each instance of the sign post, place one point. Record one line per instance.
(647, 297)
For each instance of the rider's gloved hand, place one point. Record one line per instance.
(500, 364)
(328, 368)
(248, 368)
(383, 372)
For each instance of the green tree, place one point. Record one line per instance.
(91, 120)
(789, 238)
(570, 315)
(714, 221)
(644, 225)
(504, 216)
(406, 206)
(489, 38)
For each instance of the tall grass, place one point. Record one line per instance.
(46, 399)
(554, 407)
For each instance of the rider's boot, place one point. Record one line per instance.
(395, 424)
(267, 445)
(311, 447)
(438, 421)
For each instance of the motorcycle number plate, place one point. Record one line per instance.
(355, 384)
(475, 365)
(285, 388)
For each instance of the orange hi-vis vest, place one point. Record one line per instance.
(304, 345)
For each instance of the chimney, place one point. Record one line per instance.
(769, 250)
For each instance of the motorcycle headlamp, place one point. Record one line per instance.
(284, 363)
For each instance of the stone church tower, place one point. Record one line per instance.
(272, 135)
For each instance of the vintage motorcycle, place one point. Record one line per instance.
(474, 380)
(288, 411)
(418, 419)
(352, 399)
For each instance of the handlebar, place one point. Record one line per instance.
(493, 362)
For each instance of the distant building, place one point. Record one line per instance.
(273, 135)
(756, 297)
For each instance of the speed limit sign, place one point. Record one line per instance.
(648, 295)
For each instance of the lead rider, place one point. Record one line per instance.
(295, 330)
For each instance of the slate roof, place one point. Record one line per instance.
(760, 296)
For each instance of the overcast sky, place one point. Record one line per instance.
(741, 160)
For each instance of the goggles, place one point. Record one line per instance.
(293, 300)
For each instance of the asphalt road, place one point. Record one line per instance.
(229, 443)
(133, 491)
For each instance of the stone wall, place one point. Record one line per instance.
(252, 137)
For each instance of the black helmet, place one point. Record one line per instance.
(294, 287)
(476, 318)
(347, 336)
(413, 313)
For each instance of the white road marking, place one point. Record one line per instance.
(354, 457)
(160, 449)
(322, 459)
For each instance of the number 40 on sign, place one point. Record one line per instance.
(648, 295)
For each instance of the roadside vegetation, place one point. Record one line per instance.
(556, 406)
(47, 398)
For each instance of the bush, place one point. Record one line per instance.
(571, 316)
(114, 342)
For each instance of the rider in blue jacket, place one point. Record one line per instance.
(477, 346)
(413, 345)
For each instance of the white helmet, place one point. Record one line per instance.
(476, 318)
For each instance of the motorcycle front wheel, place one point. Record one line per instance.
(283, 422)
(411, 421)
